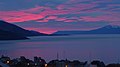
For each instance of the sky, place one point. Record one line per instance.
(48, 16)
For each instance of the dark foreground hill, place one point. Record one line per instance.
(5, 35)
(10, 31)
(18, 30)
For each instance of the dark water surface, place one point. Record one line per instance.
(80, 47)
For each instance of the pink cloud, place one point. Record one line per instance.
(89, 19)
(17, 16)
(70, 20)
(27, 15)
(76, 7)
(44, 14)
(43, 20)
(36, 9)
(61, 19)
(51, 17)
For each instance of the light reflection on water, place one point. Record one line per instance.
(83, 47)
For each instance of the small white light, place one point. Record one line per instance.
(8, 62)
(45, 65)
(35, 64)
(66, 65)
(28, 64)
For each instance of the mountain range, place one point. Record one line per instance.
(10, 31)
(109, 29)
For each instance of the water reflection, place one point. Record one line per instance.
(83, 48)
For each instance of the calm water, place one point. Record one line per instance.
(82, 47)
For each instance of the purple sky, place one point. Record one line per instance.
(48, 16)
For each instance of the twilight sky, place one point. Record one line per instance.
(48, 16)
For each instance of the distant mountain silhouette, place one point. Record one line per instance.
(18, 30)
(104, 30)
